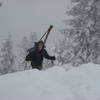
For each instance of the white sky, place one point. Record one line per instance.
(20, 17)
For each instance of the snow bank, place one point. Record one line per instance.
(81, 83)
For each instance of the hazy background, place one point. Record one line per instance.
(20, 17)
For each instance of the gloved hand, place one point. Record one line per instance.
(53, 58)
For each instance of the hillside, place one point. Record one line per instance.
(81, 83)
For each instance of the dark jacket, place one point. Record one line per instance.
(36, 58)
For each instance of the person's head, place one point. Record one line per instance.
(40, 45)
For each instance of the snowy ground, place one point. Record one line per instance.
(81, 83)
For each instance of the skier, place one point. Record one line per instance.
(37, 55)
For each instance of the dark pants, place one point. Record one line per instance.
(39, 67)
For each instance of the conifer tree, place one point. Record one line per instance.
(83, 32)
(7, 56)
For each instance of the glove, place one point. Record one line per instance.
(53, 58)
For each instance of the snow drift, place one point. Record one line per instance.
(81, 83)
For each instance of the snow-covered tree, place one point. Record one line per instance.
(82, 35)
(63, 52)
(7, 56)
(23, 47)
(32, 39)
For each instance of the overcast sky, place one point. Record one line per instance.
(20, 17)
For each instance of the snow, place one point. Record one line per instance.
(77, 83)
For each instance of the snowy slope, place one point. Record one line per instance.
(81, 83)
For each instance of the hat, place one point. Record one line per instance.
(40, 42)
(36, 43)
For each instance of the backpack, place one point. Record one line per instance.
(29, 54)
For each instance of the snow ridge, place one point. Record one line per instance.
(81, 83)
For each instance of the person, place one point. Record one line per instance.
(37, 55)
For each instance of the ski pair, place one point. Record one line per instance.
(46, 34)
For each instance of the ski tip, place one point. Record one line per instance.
(51, 26)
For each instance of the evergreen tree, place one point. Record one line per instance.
(23, 52)
(7, 56)
(63, 51)
(32, 39)
(82, 35)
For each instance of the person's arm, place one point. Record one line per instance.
(47, 56)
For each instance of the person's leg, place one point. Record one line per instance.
(39, 67)
(33, 66)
